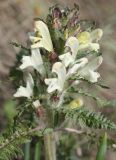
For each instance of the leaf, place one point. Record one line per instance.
(102, 148)
(18, 45)
(89, 118)
(10, 143)
(57, 36)
(110, 103)
(87, 25)
(104, 86)
(27, 151)
(82, 54)
(37, 151)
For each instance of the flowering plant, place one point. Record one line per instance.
(51, 76)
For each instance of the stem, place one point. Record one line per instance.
(37, 151)
(50, 146)
(27, 151)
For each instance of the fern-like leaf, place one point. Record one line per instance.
(10, 146)
(89, 118)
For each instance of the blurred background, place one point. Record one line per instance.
(16, 20)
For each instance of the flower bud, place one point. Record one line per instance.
(96, 35)
(84, 37)
(56, 13)
(76, 103)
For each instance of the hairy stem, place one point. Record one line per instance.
(50, 146)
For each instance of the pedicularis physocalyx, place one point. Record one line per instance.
(52, 75)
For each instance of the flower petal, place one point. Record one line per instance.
(93, 76)
(33, 38)
(84, 37)
(69, 57)
(60, 70)
(35, 61)
(96, 35)
(66, 59)
(88, 71)
(26, 91)
(89, 47)
(73, 44)
(57, 83)
(26, 62)
(78, 64)
(45, 40)
(52, 84)
(95, 63)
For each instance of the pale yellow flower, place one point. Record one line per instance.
(76, 103)
(84, 37)
(89, 40)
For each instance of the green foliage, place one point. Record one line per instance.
(56, 35)
(16, 75)
(101, 102)
(10, 142)
(66, 146)
(102, 148)
(82, 54)
(19, 46)
(10, 145)
(89, 119)
(100, 84)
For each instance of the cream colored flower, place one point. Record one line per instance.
(26, 91)
(41, 38)
(57, 83)
(89, 71)
(35, 61)
(69, 57)
(96, 35)
(76, 66)
(89, 47)
(62, 76)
